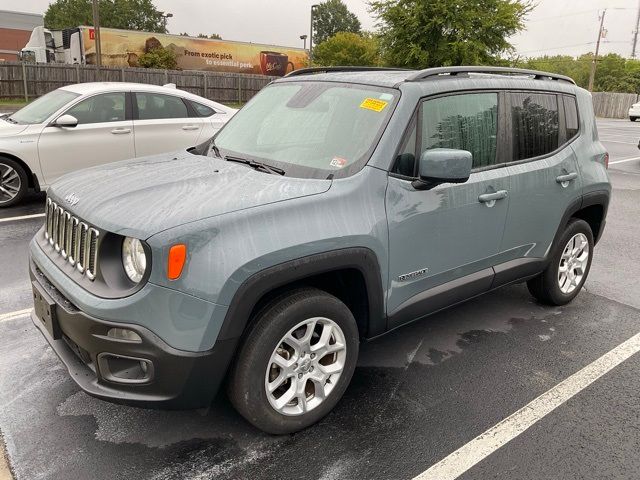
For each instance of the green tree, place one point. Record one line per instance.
(614, 73)
(421, 34)
(125, 14)
(213, 36)
(331, 17)
(346, 48)
(159, 57)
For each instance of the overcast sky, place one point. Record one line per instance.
(554, 27)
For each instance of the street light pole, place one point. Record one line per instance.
(313, 7)
(164, 19)
(96, 31)
(592, 75)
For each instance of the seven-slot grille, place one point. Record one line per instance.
(76, 241)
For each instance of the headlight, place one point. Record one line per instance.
(134, 259)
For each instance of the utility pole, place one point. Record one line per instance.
(96, 30)
(592, 76)
(635, 33)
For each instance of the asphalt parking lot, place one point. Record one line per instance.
(418, 394)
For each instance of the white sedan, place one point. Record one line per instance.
(89, 124)
(634, 112)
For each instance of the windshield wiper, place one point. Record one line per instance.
(8, 119)
(257, 165)
(216, 150)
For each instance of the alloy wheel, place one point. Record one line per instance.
(573, 263)
(305, 366)
(10, 183)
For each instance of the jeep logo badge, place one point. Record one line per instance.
(72, 199)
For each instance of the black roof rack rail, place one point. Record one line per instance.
(310, 70)
(453, 71)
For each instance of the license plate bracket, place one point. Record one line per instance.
(45, 309)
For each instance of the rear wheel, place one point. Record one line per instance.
(296, 363)
(13, 182)
(633, 119)
(568, 268)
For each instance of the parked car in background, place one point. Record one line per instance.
(89, 124)
(334, 207)
(634, 112)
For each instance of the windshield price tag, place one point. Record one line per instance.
(373, 104)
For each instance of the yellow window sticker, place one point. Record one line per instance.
(373, 104)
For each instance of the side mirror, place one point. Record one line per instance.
(68, 121)
(443, 165)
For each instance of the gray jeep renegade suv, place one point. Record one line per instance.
(335, 206)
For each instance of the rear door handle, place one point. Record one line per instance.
(567, 178)
(120, 131)
(491, 198)
(190, 127)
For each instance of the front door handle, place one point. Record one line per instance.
(190, 127)
(567, 178)
(121, 131)
(491, 198)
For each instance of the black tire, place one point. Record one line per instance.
(545, 287)
(246, 386)
(6, 163)
(633, 119)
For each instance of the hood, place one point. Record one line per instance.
(144, 196)
(8, 129)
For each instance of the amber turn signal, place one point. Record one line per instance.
(177, 257)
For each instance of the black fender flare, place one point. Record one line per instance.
(261, 283)
(599, 197)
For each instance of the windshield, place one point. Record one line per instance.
(309, 129)
(42, 108)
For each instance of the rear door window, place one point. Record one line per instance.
(535, 124)
(153, 106)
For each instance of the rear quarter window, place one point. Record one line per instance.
(202, 110)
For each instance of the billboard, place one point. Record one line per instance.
(122, 48)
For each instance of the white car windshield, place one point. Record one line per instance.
(309, 129)
(42, 108)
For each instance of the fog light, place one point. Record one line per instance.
(124, 334)
(144, 367)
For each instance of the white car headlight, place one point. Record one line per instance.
(134, 259)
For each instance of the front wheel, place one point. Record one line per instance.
(568, 268)
(296, 362)
(13, 182)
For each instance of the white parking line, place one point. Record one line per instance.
(16, 314)
(624, 160)
(24, 217)
(482, 446)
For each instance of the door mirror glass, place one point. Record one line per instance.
(68, 121)
(443, 165)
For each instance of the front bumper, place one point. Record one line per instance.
(173, 378)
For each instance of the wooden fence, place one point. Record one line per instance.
(613, 105)
(24, 80)
(20, 80)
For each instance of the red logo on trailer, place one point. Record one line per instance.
(92, 34)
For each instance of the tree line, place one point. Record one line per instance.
(409, 34)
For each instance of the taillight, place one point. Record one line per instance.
(606, 160)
